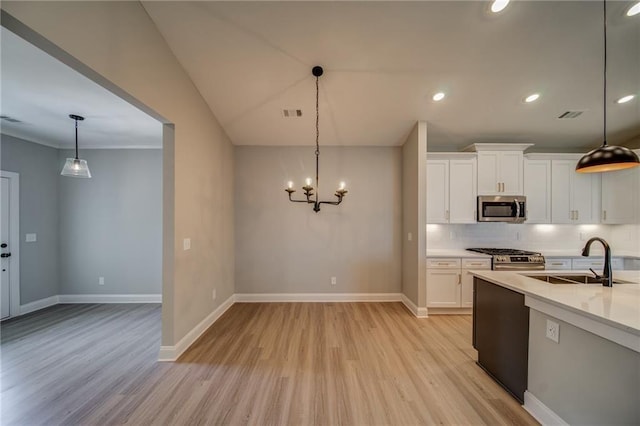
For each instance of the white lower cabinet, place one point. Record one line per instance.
(557, 264)
(449, 284)
(597, 264)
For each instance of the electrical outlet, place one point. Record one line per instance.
(186, 244)
(213, 294)
(100, 280)
(31, 238)
(553, 331)
(334, 281)
(452, 235)
(409, 236)
(517, 236)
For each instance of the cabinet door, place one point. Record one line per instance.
(462, 191)
(561, 209)
(537, 189)
(510, 172)
(437, 191)
(488, 173)
(619, 196)
(443, 288)
(585, 197)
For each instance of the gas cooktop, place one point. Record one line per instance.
(504, 251)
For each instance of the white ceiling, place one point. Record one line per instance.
(384, 60)
(41, 92)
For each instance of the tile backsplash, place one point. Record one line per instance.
(533, 237)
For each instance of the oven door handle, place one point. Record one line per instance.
(517, 267)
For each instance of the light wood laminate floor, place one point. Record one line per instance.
(260, 364)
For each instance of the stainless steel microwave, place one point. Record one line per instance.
(502, 208)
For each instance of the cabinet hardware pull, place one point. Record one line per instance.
(604, 214)
(459, 278)
(556, 263)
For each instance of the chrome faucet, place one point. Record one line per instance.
(607, 276)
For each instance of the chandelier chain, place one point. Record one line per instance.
(604, 127)
(317, 136)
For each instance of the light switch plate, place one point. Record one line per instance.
(186, 244)
(409, 236)
(31, 238)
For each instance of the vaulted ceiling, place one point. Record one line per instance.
(383, 62)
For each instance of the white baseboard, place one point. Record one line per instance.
(541, 412)
(317, 297)
(172, 353)
(418, 312)
(36, 305)
(450, 311)
(110, 298)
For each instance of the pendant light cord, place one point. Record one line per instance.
(76, 120)
(317, 137)
(604, 6)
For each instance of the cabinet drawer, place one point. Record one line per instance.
(557, 264)
(476, 263)
(443, 263)
(617, 263)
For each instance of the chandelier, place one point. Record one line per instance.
(308, 188)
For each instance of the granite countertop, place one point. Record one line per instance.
(617, 306)
(457, 253)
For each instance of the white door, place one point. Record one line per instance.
(5, 285)
(488, 173)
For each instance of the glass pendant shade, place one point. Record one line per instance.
(75, 167)
(607, 158)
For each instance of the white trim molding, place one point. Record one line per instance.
(317, 297)
(541, 412)
(110, 298)
(418, 312)
(36, 305)
(451, 311)
(172, 353)
(14, 241)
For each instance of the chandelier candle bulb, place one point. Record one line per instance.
(308, 181)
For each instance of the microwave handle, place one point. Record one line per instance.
(517, 208)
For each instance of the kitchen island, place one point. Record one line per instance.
(591, 374)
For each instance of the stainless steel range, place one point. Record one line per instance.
(512, 259)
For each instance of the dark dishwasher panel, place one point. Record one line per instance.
(501, 335)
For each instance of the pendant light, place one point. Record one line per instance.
(607, 158)
(308, 188)
(75, 167)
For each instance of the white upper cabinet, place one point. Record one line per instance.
(537, 189)
(500, 168)
(575, 197)
(451, 188)
(437, 191)
(620, 196)
(462, 190)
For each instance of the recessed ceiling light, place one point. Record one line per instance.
(438, 96)
(625, 99)
(499, 5)
(634, 10)
(532, 97)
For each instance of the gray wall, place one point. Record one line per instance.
(414, 216)
(584, 378)
(108, 226)
(38, 169)
(282, 247)
(111, 224)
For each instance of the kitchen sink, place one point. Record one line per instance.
(572, 279)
